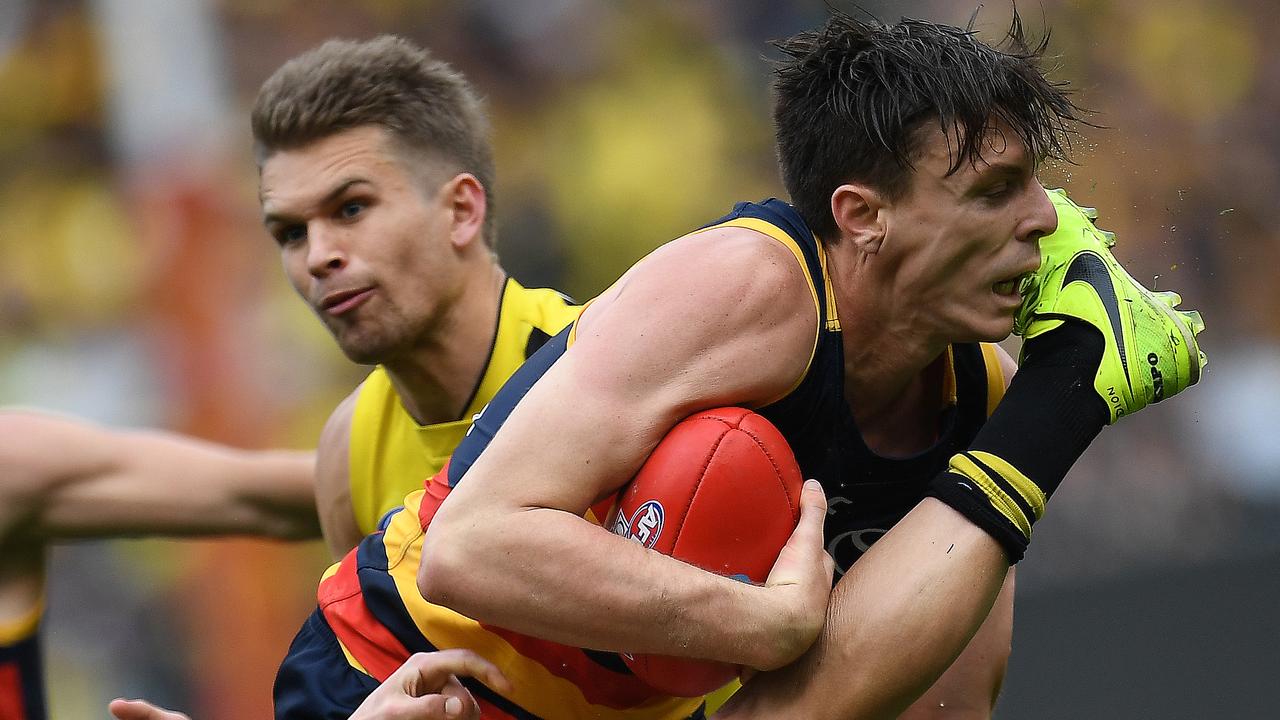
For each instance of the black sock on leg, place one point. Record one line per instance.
(1048, 416)
(1051, 411)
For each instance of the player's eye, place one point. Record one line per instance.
(291, 234)
(997, 190)
(350, 210)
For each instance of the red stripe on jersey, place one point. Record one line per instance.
(489, 711)
(599, 685)
(437, 489)
(368, 640)
(11, 705)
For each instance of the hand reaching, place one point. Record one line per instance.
(425, 687)
(122, 709)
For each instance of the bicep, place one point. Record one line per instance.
(664, 343)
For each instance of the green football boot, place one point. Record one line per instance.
(1151, 350)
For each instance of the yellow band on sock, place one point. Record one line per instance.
(1029, 490)
(1000, 500)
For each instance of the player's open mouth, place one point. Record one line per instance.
(1005, 287)
(1013, 286)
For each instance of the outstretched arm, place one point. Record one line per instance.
(66, 478)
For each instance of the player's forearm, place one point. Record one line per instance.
(279, 499)
(896, 621)
(157, 483)
(549, 574)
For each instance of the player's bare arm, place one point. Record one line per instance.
(968, 689)
(921, 620)
(333, 486)
(66, 478)
(510, 546)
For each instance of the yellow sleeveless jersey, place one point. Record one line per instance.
(391, 454)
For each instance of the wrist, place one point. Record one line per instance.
(777, 635)
(993, 495)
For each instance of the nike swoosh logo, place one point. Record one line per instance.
(1089, 268)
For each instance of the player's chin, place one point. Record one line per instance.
(363, 348)
(990, 328)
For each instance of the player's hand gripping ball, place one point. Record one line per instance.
(721, 491)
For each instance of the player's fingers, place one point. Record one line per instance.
(467, 706)
(427, 707)
(432, 670)
(122, 709)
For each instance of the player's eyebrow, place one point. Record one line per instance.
(1003, 168)
(338, 191)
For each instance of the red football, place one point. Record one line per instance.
(721, 491)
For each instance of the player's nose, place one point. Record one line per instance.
(325, 252)
(1041, 217)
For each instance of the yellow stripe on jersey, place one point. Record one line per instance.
(15, 630)
(390, 454)
(995, 376)
(765, 227)
(949, 377)
(717, 699)
(536, 689)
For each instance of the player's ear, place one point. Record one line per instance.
(858, 213)
(465, 199)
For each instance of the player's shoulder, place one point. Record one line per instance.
(335, 438)
(1004, 361)
(332, 478)
(744, 264)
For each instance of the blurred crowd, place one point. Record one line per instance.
(137, 286)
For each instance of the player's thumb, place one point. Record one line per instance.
(804, 549)
(813, 514)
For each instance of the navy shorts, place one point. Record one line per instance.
(22, 680)
(315, 681)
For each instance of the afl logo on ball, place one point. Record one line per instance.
(644, 526)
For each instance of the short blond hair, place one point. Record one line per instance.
(427, 107)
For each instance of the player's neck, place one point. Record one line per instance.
(888, 353)
(439, 376)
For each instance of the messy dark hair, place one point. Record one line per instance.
(853, 97)
(429, 108)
